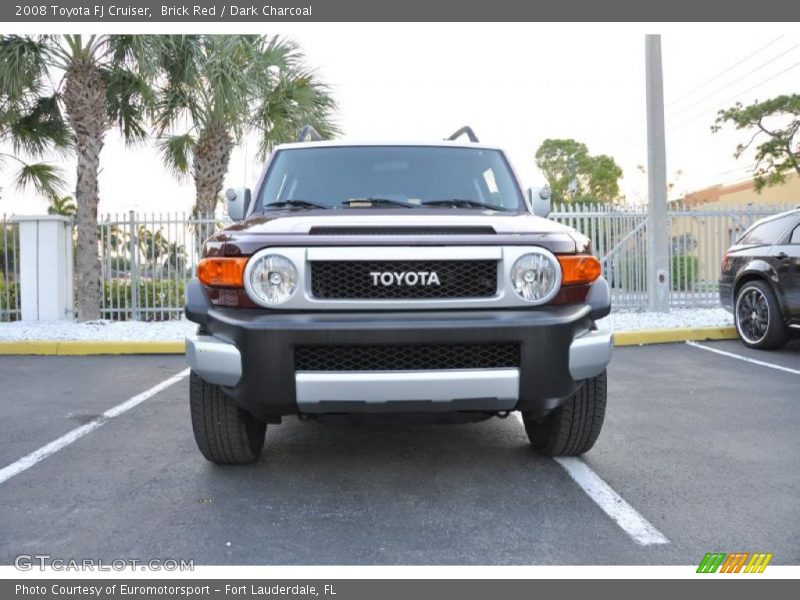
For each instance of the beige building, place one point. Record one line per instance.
(744, 192)
(706, 222)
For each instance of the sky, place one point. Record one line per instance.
(515, 84)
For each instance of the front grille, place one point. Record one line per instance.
(356, 279)
(384, 230)
(381, 357)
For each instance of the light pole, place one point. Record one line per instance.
(657, 239)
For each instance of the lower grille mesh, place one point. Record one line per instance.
(386, 357)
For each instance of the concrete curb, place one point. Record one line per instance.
(667, 336)
(85, 348)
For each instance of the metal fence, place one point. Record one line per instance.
(9, 270)
(698, 238)
(146, 260)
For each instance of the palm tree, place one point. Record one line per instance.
(46, 179)
(65, 206)
(96, 82)
(176, 257)
(152, 244)
(116, 237)
(32, 125)
(219, 88)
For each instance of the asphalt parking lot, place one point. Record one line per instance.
(702, 445)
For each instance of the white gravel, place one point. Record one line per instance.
(166, 331)
(177, 330)
(677, 317)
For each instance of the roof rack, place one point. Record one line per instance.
(308, 133)
(466, 130)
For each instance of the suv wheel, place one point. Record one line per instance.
(758, 318)
(573, 427)
(225, 434)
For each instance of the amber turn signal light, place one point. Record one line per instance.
(577, 269)
(222, 271)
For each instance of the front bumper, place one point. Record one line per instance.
(251, 353)
(429, 391)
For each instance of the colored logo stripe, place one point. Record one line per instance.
(758, 563)
(711, 562)
(734, 562)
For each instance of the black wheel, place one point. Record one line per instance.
(758, 317)
(225, 434)
(573, 427)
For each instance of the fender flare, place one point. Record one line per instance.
(760, 269)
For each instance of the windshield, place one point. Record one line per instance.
(391, 176)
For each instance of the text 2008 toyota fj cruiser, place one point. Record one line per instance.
(402, 279)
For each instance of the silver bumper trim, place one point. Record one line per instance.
(590, 353)
(214, 360)
(478, 389)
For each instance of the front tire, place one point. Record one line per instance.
(572, 428)
(225, 434)
(758, 318)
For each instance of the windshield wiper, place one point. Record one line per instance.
(377, 202)
(463, 203)
(295, 204)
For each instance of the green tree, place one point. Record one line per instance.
(65, 206)
(46, 179)
(574, 175)
(219, 88)
(777, 120)
(96, 83)
(176, 257)
(31, 122)
(152, 245)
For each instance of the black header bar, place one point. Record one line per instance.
(262, 11)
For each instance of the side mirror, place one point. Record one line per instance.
(238, 202)
(539, 201)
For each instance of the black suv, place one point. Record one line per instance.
(760, 281)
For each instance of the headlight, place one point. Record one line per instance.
(271, 279)
(536, 276)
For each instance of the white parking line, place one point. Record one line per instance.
(610, 502)
(26, 462)
(744, 358)
(614, 505)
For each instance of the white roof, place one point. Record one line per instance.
(345, 143)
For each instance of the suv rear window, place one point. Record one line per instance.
(769, 232)
(411, 175)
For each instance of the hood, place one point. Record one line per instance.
(296, 228)
(301, 222)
